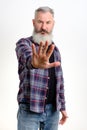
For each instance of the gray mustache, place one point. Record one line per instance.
(43, 31)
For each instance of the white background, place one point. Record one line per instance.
(69, 35)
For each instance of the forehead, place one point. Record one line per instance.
(43, 16)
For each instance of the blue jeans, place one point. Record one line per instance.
(27, 120)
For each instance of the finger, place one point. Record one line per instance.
(40, 48)
(45, 47)
(63, 120)
(34, 49)
(50, 51)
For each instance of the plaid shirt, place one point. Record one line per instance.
(34, 82)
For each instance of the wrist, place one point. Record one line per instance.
(32, 66)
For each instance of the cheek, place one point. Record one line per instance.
(50, 28)
(37, 27)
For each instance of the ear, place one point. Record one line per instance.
(33, 21)
(53, 22)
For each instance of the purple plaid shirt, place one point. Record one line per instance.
(34, 82)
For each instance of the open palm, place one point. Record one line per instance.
(40, 59)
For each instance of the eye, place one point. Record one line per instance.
(48, 22)
(39, 21)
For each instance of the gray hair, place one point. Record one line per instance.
(44, 10)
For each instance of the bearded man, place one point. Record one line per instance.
(41, 96)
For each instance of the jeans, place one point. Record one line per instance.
(27, 120)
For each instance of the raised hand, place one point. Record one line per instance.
(40, 59)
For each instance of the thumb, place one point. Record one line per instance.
(54, 64)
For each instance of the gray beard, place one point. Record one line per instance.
(37, 38)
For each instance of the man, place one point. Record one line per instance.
(41, 89)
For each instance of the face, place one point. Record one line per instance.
(43, 23)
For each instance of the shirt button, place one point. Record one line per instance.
(46, 87)
(45, 98)
(48, 77)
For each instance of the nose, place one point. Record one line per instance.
(44, 26)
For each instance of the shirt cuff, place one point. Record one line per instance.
(29, 65)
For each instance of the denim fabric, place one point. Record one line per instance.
(28, 120)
